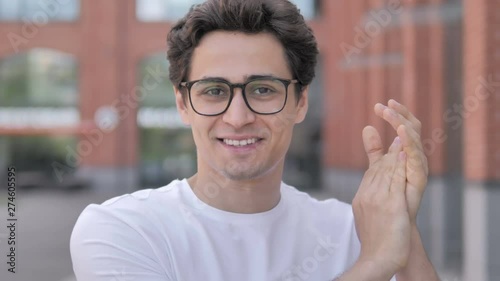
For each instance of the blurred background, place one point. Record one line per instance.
(87, 112)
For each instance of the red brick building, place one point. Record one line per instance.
(441, 58)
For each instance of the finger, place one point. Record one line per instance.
(401, 109)
(416, 159)
(410, 139)
(394, 118)
(390, 115)
(373, 144)
(417, 170)
(387, 166)
(398, 183)
(396, 146)
(379, 109)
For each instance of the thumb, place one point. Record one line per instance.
(373, 144)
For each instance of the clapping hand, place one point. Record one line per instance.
(408, 128)
(386, 204)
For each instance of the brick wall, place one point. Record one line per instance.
(413, 60)
(482, 90)
(108, 43)
(373, 50)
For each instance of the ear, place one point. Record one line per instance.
(181, 107)
(302, 106)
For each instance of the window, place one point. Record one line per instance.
(308, 8)
(39, 78)
(39, 11)
(172, 10)
(163, 10)
(38, 90)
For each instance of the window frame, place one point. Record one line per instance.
(22, 17)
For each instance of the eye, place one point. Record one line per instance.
(262, 91)
(211, 90)
(216, 92)
(264, 88)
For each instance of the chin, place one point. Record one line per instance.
(240, 176)
(238, 171)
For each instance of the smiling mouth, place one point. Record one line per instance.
(240, 143)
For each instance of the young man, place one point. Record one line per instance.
(241, 71)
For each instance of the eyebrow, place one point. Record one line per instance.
(245, 78)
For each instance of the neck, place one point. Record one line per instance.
(238, 196)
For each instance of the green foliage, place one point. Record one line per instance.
(38, 153)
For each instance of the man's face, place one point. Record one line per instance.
(220, 139)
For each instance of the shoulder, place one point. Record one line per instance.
(127, 213)
(125, 228)
(146, 197)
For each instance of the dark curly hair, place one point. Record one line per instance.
(278, 17)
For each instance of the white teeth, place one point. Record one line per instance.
(241, 142)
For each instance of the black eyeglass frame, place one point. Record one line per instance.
(242, 86)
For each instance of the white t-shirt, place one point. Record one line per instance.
(169, 234)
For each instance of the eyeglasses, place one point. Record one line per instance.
(264, 95)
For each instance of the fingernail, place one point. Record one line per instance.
(397, 140)
(391, 112)
(394, 101)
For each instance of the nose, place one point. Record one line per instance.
(238, 114)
